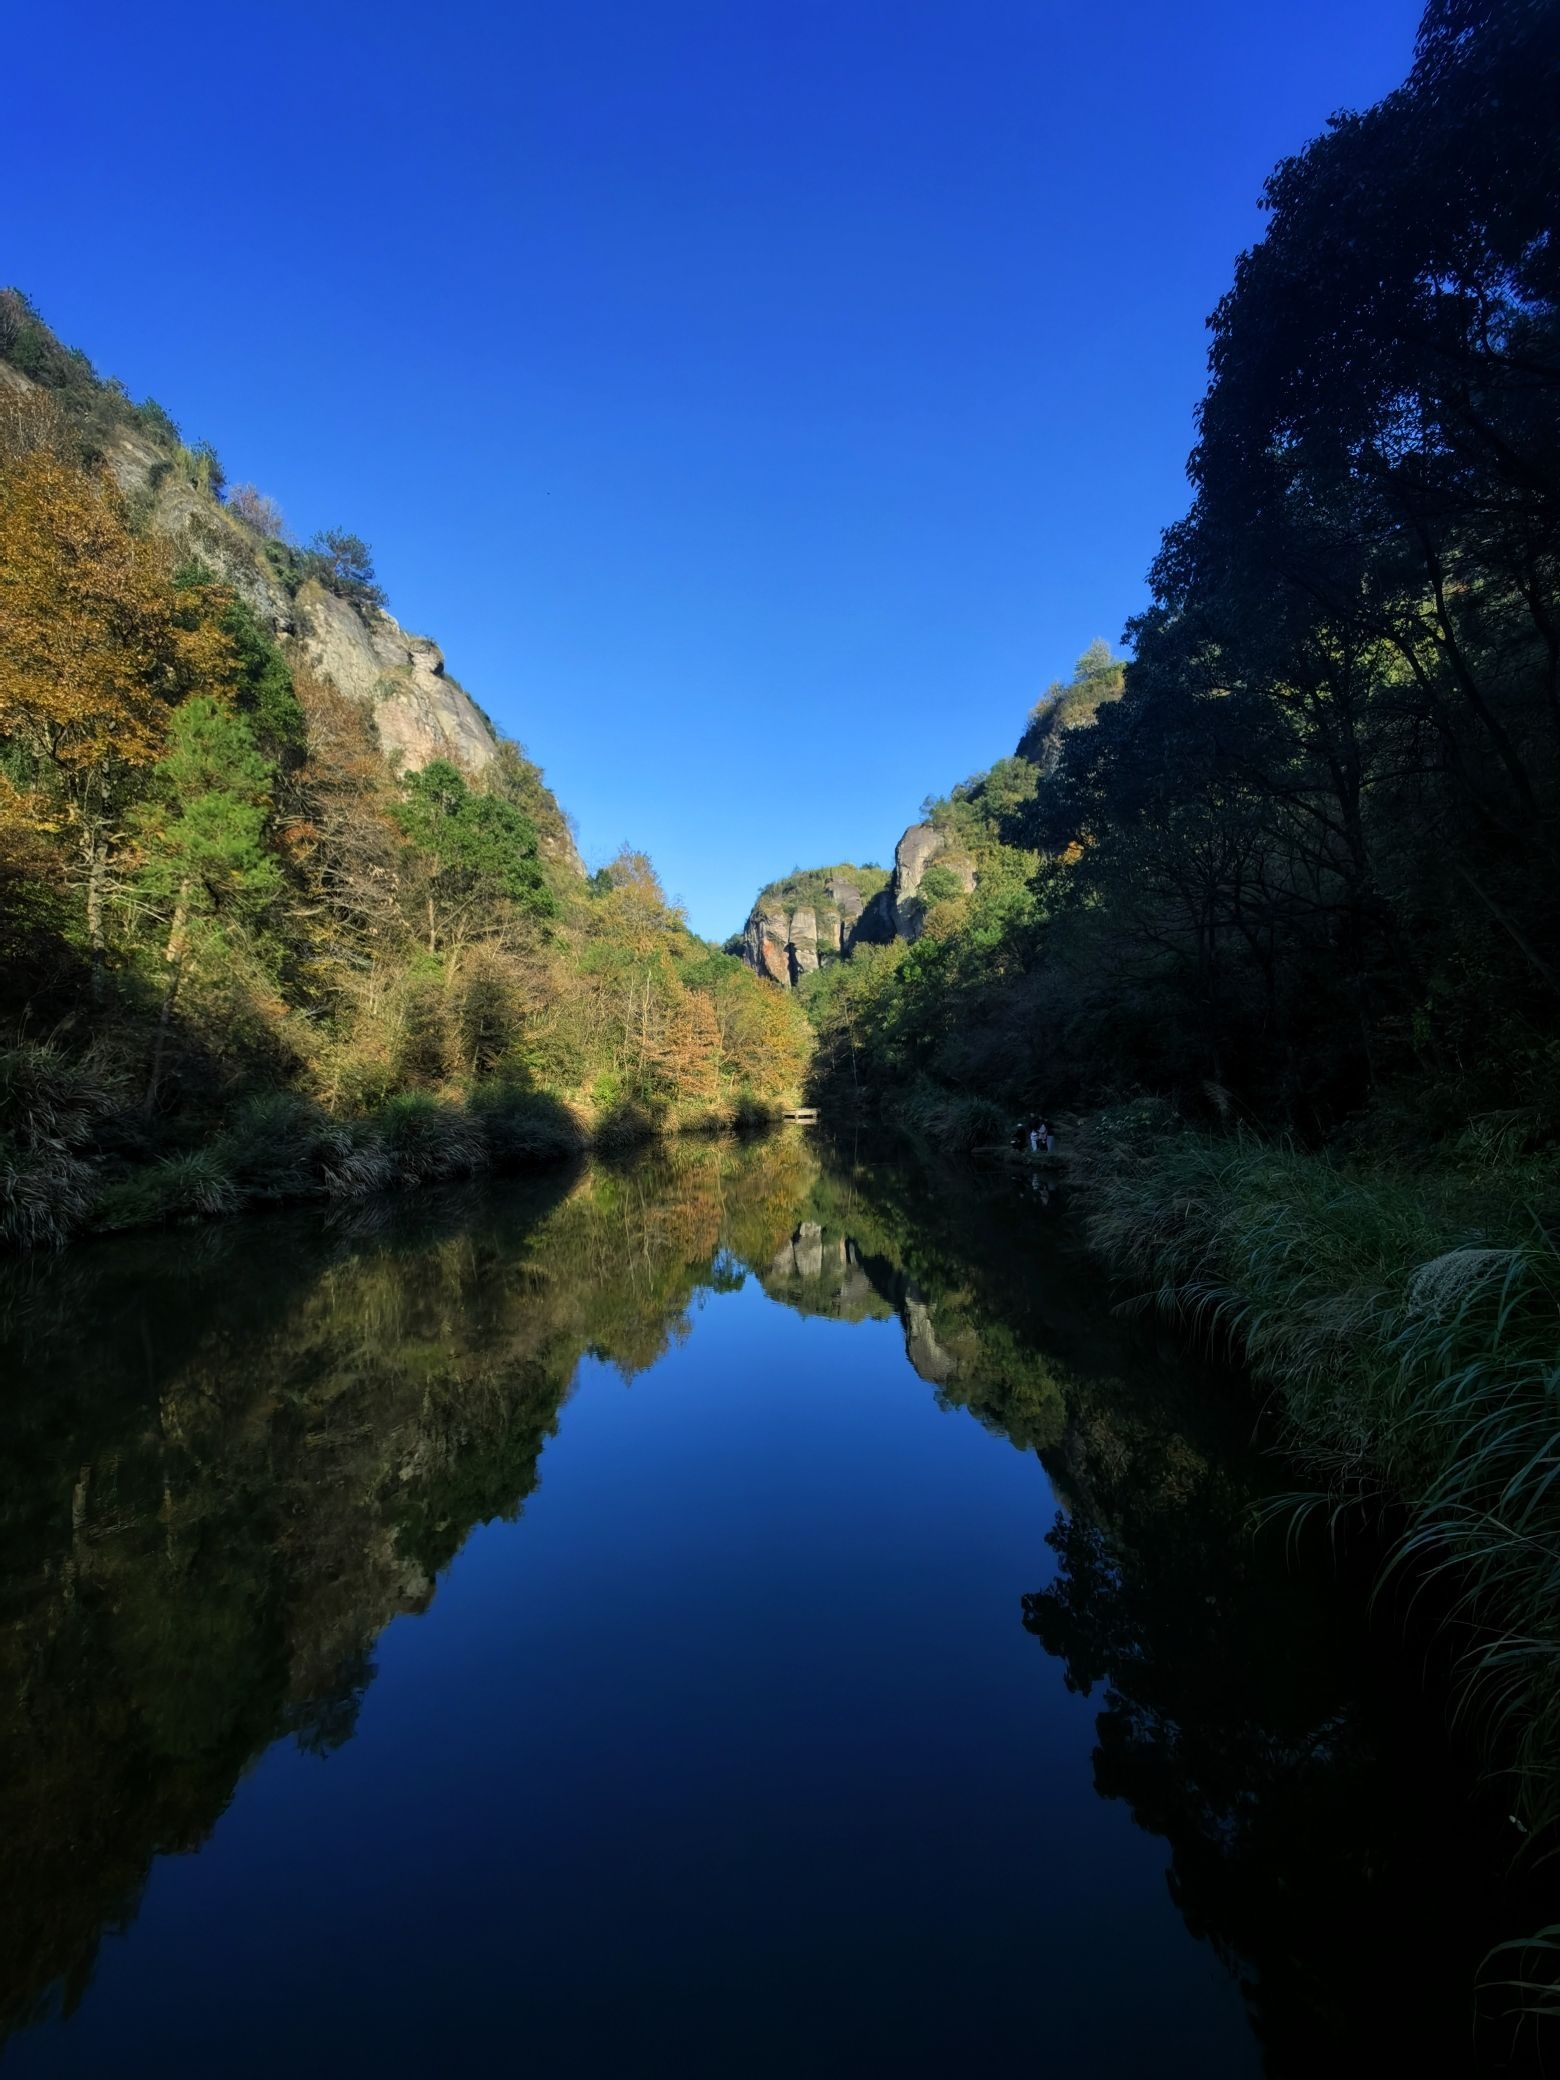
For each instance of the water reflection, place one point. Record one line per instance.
(229, 1456)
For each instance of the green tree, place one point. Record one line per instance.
(206, 862)
(264, 686)
(478, 851)
(344, 564)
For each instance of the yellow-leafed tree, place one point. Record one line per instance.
(96, 644)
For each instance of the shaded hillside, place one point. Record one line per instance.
(1098, 677)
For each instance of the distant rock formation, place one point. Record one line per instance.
(800, 924)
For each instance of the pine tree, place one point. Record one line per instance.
(207, 863)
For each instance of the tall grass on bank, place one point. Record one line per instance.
(1409, 1327)
(50, 1106)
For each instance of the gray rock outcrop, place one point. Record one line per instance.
(766, 944)
(788, 935)
(897, 911)
(420, 712)
(920, 846)
(804, 943)
(787, 940)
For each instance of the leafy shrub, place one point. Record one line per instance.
(288, 564)
(625, 1124)
(939, 884)
(203, 466)
(150, 415)
(749, 1111)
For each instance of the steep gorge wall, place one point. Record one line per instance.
(420, 712)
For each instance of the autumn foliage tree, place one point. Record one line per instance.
(97, 644)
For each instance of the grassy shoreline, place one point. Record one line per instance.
(1406, 1322)
(75, 1162)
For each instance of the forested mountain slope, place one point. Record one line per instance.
(280, 912)
(1306, 860)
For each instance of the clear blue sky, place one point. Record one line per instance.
(759, 400)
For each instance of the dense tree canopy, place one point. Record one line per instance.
(1304, 849)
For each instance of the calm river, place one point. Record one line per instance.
(740, 1612)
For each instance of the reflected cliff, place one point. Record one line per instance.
(229, 1456)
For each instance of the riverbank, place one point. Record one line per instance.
(1407, 1323)
(75, 1161)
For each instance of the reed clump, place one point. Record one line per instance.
(51, 1104)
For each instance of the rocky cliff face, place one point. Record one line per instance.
(897, 911)
(798, 925)
(420, 712)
